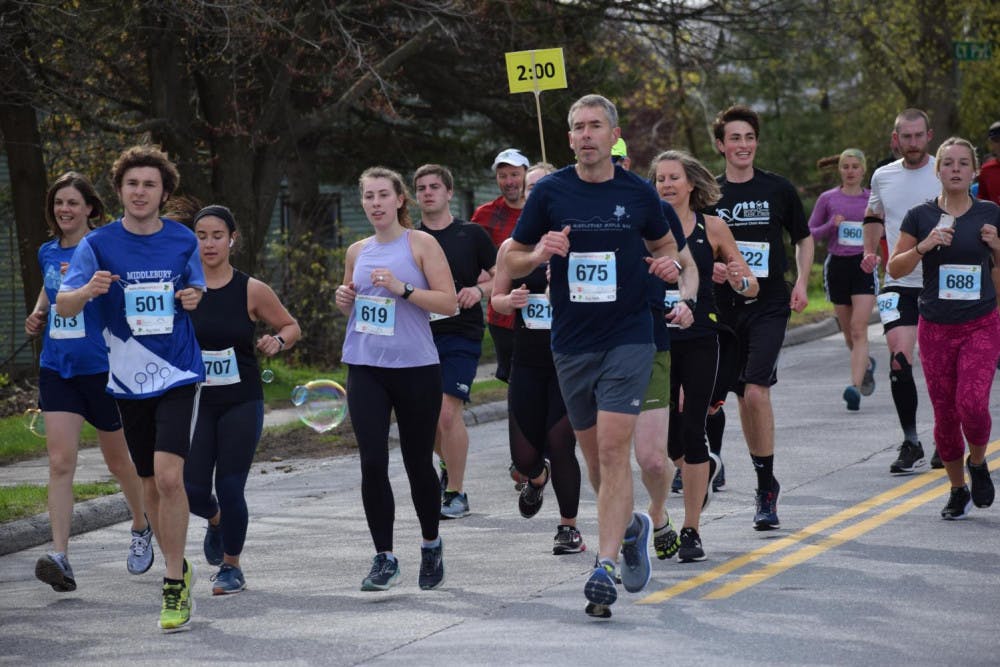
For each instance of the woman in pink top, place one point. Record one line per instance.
(837, 220)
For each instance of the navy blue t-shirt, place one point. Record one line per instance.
(957, 284)
(600, 299)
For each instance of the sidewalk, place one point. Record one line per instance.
(107, 510)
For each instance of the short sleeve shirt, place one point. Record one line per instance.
(143, 366)
(611, 219)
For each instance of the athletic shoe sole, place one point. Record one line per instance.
(868, 383)
(49, 572)
(600, 588)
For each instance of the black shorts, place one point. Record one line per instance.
(897, 307)
(760, 332)
(843, 278)
(83, 395)
(163, 423)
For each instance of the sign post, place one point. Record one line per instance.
(533, 72)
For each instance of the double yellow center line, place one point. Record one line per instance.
(812, 550)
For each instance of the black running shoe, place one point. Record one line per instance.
(868, 381)
(766, 516)
(981, 482)
(431, 567)
(677, 485)
(530, 500)
(383, 575)
(911, 459)
(936, 461)
(567, 541)
(958, 505)
(690, 550)
(597, 610)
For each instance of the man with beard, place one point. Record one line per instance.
(498, 218)
(896, 188)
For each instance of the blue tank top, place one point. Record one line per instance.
(150, 338)
(70, 345)
(384, 329)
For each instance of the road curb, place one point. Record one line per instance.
(108, 510)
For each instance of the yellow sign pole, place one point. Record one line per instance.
(533, 72)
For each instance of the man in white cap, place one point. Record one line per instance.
(498, 217)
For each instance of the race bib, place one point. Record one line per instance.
(757, 255)
(960, 282)
(850, 234)
(220, 367)
(149, 308)
(592, 277)
(375, 315)
(434, 317)
(61, 328)
(670, 299)
(888, 307)
(537, 313)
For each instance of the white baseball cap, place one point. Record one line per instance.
(511, 156)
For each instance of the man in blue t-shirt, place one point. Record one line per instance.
(596, 225)
(144, 274)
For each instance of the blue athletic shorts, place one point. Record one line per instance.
(459, 360)
(83, 395)
(613, 380)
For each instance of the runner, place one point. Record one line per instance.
(458, 337)
(759, 207)
(231, 409)
(144, 275)
(538, 423)
(71, 381)
(837, 220)
(688, 187)
(392, 279)
(498, 218)
(896, 188)
(596, 222)
(954, 237)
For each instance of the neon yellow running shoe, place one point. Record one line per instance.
(175, 614)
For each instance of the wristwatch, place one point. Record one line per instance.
(691, 303)
(281, 341)
(407, 290)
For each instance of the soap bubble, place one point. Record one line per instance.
(34, 421)
(322, 404)
(267, 376)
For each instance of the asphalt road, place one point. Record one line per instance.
(863, 570)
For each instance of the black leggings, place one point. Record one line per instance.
(415, 396)
(225, 440)
(538, 426)
(693, 365)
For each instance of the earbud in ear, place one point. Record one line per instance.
(231, 242)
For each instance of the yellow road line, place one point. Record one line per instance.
(777, 545)
(809, 551)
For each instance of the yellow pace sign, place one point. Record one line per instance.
(532, 71)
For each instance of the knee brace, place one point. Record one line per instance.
(905, 372)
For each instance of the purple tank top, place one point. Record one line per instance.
(410, 342)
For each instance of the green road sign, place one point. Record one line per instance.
(973, 50)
